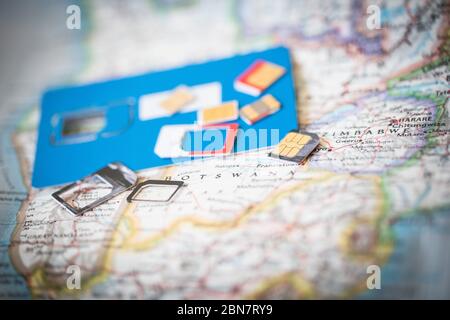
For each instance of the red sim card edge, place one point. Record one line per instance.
(247, 73)
(229, 139)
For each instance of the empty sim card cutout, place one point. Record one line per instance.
(93, 190)
(296, 146)
(155, 191)
(92, 123)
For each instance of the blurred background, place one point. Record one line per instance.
(348, 55)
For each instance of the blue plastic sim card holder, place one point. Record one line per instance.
(85, 127)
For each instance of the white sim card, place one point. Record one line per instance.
(191, 140)
(204, 95)
(168, 144)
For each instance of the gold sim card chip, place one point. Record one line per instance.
(177, 99)
(227, 111)
(296, 146)
(260, 109)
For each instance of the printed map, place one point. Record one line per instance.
(376, 191)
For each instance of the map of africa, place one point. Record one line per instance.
(375, 192)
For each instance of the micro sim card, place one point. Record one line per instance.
(260, 109)
(222, 113)
(296, 146)
(258, 77)
(177, 100)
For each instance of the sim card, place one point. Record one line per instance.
(93, 190)
(260, 109)
(179, 98)
(176, 141)
(296, 146)
(258, 77)
(224, 112)
(153, 105)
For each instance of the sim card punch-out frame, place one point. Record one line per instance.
(118, 176)
(148, 183)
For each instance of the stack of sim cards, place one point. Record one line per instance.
(257, 78)
(211, 136)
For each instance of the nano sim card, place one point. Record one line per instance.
(260, 109)
(222, 113)
(258, 77)
(177, 100)
(296, 146)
